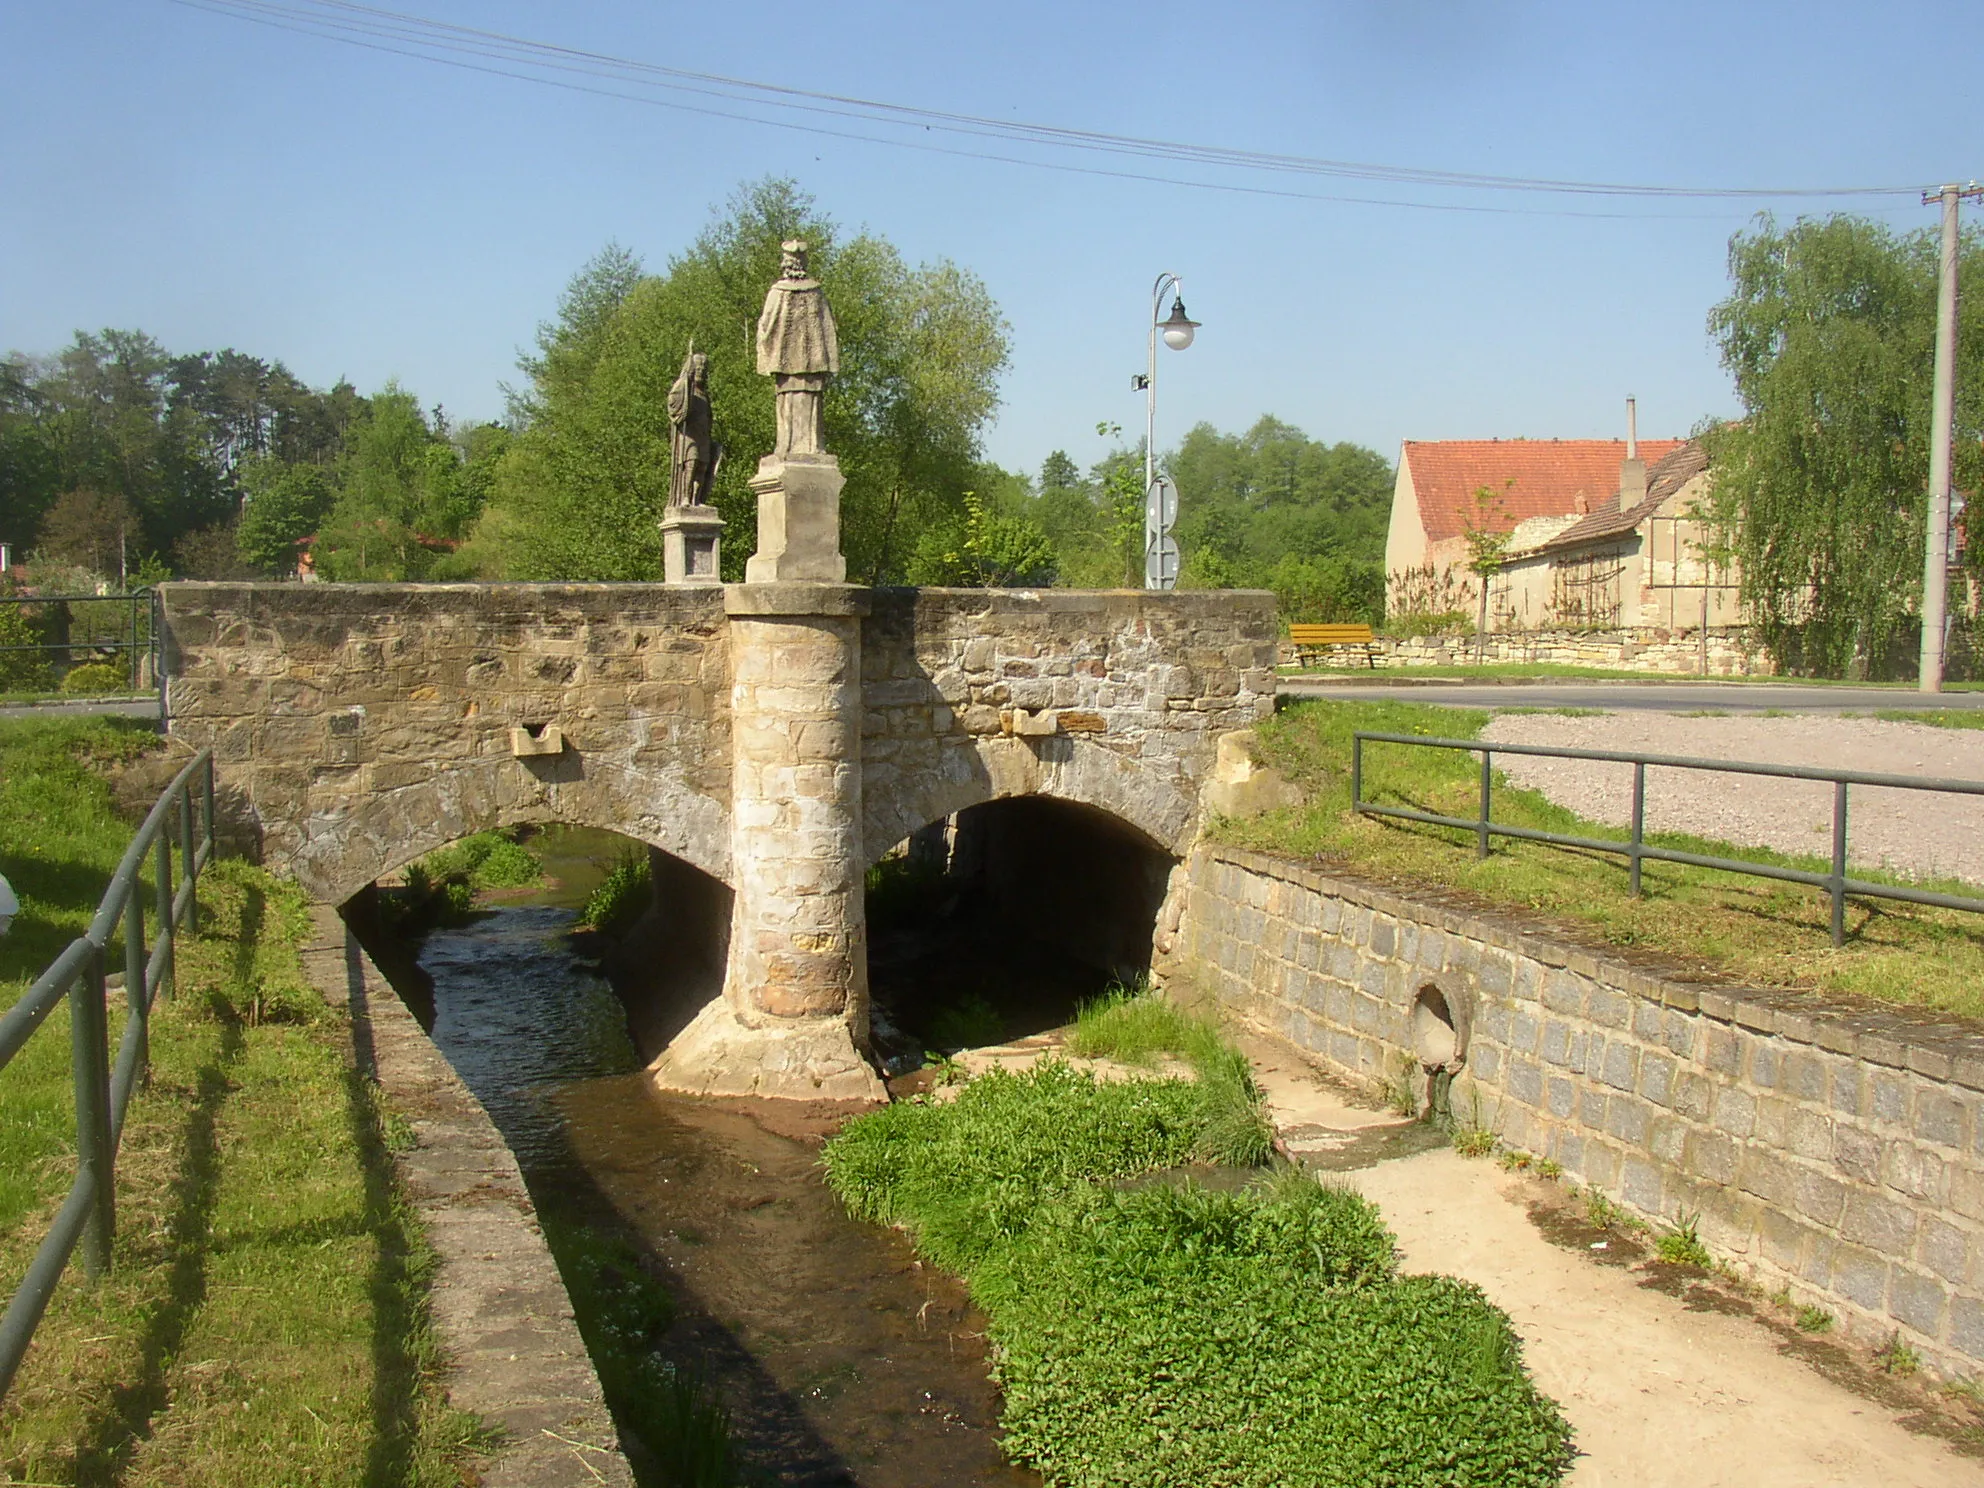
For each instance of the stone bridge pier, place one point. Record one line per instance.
(773, 739)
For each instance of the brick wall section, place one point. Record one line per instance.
(1835, 1151)
(1160, 674)
(1659, 650)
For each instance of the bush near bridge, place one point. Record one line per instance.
(1151, 1336)
(1708, 922)
(265, 1318)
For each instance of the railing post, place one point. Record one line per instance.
(188, 865)
(208, 778)
(1487, 764)
(1356, 771)
(1839, 863)
(1639, 820)
(134, 972)
(162, 845)
(89, 1054)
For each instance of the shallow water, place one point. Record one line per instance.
(842, 1358)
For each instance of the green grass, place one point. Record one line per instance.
(623, 896)
(1682, 1245)
(265, 1320)
(1753, 930)
(1947, 718)
(1163, 1334)
(1136, 1027)
(1547, 671)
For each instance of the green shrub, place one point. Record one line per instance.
(623, 896)
(1163, 1334)
(22, 671)
(94, 677)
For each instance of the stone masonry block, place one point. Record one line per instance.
(1887, 1226)
(1941, 1118)
(1735, 1110)
(1861, 1276)
(1856, 1153)
(1656, 1077)
(1967, 1326)
(1941, 1248)
(1918, 1301)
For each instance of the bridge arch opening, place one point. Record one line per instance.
(660, 936)
(994, 923)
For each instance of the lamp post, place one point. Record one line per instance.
(1177, 332)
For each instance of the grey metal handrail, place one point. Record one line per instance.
(183, 818)
(1636, 850)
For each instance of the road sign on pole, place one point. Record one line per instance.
(1160, 548)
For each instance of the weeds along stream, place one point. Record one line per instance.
(746, 1328)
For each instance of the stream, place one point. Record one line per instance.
(841, 1357)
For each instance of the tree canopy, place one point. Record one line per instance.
(580, 494)
(1821, 488)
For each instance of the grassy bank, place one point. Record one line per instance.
(265, 1321)
(1750, 929)
(1163, 1334)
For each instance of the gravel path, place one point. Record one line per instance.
(1909, 832)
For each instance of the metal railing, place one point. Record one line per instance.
(1637, 850)
(182, 819)
(138, 635)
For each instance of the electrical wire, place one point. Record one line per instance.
(423, 39)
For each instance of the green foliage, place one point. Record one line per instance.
(22, 671)
(1473, 1140)
(1166, 1334)
(623, 896)
(405, 496)
(1682, 1245)
(1819, 489)
(96, 677)
(1136, 1026)
(986, 550)
(921, 350)
(283, 504)
(442, 887)
(1814, 1320)
(1896, 1357)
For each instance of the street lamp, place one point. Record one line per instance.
(1177, 331)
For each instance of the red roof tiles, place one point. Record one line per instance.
(1548, 475)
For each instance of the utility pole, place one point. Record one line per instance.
(1942, 421)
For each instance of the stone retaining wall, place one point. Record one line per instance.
(1834, 1151)
(1657, 650)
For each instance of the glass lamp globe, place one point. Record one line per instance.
(1178, 329)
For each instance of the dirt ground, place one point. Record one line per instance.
(1663, 1376)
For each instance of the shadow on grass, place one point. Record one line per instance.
(107, 1442)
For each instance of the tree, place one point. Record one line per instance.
(581, 489)
(1487, 533)
(1820, 489)
(402, 498)
(283, 504)
(91, 529)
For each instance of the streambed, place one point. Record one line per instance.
(842, 1358)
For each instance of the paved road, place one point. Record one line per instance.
(1654, 697)
(119, 708)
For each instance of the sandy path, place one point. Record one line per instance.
(1911, 832)
(1658, 1394)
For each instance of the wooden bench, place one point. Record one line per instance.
(1310, 640)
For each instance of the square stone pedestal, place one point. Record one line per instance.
(798, 521)
(691, 537)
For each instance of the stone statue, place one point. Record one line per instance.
(798, 349)
(695, 457)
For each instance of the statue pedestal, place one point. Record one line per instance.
(690, 539)
(798, 521)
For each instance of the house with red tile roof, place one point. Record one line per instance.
(1433, 497)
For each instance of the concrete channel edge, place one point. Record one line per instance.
(499, 1305)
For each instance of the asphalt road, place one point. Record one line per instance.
(117, 708)
(1653, 697)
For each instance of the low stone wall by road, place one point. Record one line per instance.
(1657, 650)
(1834, 1151)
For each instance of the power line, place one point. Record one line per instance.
(476, 50)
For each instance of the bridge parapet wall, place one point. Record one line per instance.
(1142, 684)
(359, 725)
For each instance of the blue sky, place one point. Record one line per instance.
(357, 214)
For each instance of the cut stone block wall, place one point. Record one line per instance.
(1833, 1151)
(1656, 649)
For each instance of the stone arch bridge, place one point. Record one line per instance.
(778, 738)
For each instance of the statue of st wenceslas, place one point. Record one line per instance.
(695, 456)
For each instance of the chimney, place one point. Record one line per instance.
(1632, 474)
